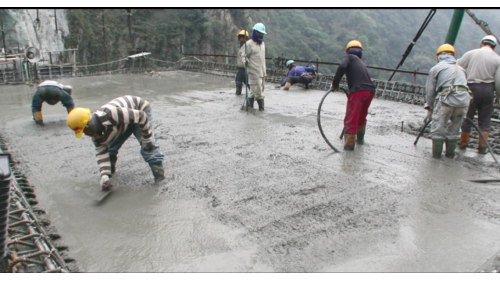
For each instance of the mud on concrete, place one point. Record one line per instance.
(257, 192)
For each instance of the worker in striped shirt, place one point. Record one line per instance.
(111, 125)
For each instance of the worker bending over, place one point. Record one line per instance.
(50, 92)
(111, 125)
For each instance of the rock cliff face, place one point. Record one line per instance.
(41, 28)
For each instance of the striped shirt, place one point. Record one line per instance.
(115, 117)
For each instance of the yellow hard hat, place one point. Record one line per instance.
(243, 33)
(353, 43)
(78, 119)
(445, 48)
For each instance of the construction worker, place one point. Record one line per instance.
(447, 99)
(50, 92)
(361, 93)
(110, 126)
(255, 62)
(297, 74)
(483, 78)
(240, 75)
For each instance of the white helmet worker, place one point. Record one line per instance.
(490, 40)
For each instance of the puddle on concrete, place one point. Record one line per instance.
(255, 192)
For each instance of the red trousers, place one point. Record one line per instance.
(356, 110)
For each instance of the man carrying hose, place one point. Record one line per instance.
(447, 98)
(50, 92)
(361, 93)
(483, 78)
(110, 126)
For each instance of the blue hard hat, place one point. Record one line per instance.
(289, 62)
(260, 28)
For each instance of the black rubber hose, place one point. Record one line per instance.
(422, 131)
(485, 141)
(318, 117)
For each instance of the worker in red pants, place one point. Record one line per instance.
(361, 93)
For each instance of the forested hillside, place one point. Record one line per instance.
(297, 34)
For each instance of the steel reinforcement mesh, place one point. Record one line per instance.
(33, 244)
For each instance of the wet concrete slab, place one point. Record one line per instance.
(256, 192)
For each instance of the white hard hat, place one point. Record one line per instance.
(490, 39)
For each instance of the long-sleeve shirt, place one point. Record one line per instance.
(256, 55)
(442, 75)
(356, 73)
(241, 53)
(114, 118)
(482, 66)
(298, 71)
(43, 94)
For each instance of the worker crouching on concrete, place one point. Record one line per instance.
(50, 92)
(297, 74)
(361, 93)
(111, 125)
(240, 75)
(447, 99)
(254, 59)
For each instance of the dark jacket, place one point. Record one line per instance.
(356, 73)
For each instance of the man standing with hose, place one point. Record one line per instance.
(483, 78)
(361, 93)
(240, 75)
(447, 98)
(255, 61)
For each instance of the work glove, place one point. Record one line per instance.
(37, 116)
(334, 88)
(105, 183)
(428, 117)
(39, 123)
(147, 145)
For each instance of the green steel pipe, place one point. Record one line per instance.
(455, 23)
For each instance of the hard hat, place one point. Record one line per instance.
(490, 39)
(259, 27)
(445, 48)
(77, 120)
(289, 62)
(68, 89)
(353, 43)
(243, 33)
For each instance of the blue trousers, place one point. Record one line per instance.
(153, 157)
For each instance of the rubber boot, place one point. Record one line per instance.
(261, 104)
(349, 141)
(437, 148)
(250, 101)
(464, 139)
(238, 90)
(287, 86)
(451, 145)
(158, 172)
(482, 148)
(113, 159)
(360, 134)
(307, 86)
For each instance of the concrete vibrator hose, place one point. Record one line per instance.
(318, 117)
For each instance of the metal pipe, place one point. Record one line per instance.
(455, 23)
